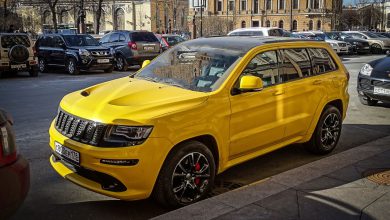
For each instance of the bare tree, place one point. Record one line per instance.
(98, 16)
(53, 9)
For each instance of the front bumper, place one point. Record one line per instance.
(135, 182)
(14, 186)
(28, 65)
(137, 60)
(365, 87)
(91, 63)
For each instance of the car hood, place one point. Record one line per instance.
(381, 68)
(130, 101)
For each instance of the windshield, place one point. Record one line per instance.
(173, 40)
(80, 40)
(192, 65)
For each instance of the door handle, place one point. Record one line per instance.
(278, 92)
(317, 82)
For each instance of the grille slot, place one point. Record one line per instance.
(383, 84)
(100, 53)
(79, 129)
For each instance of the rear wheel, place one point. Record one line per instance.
(187, 175)
(121, 63)
(327, 132)
(367, 100)
(71, 67)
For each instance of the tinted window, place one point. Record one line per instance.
(57, 41)
(321, 60)
(105, 39)
(80, 40)
(122, 38)
(173, 40)
(265, 66)
(275, 32)
(114, 38)
(47, 41)
(8, 41)
(143, 36)
(294, 64)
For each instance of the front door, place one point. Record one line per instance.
(257, 117)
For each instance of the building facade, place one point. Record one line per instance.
(169, 16)
(295, 15)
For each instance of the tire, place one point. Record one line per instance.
(42, 65)
(190, 182)
(376, 49)
(109, 70)
(327, 132)
(71, 67)
(33, 72)
(121, 63)
(367, 100)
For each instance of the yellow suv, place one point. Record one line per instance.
(199, 108)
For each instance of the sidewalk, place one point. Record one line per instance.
(347, 185)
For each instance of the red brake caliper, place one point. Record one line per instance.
(197, 168)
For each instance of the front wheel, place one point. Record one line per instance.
(42, 65)
(367, 100)
(187, 175)
(121, 63)
(71, 67)
(327, 132)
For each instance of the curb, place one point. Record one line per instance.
(235, 199)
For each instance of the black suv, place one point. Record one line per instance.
(75, 52)
(132, 47)
(359, 46)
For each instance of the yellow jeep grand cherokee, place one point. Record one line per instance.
(196, 110)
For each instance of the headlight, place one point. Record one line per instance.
(366, 70)
(84, 52)
(333, 44)
(127, 135)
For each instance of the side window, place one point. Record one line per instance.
(321, 60)
(294, 64)
(105, 39)
(49, 41)
(114, 38)
(275, 32)
(57, 42)
(122, 38)
(265, 66)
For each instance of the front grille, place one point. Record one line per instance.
(342, 44)
(100, 53)
(383, 84)
(78, 129)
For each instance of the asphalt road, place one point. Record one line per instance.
(33, 103)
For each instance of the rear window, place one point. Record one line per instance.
(275, 32)
(143, 36)
(321, 60)
(8, 41)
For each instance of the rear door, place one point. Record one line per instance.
(146, 42)
(58, 51)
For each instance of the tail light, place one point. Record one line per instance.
(34, 51)
(8, 150)
(132, 45)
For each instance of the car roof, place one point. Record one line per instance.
(244, 43)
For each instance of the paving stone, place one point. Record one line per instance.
(380, 209)
(320, 183)
(252, 212)
(285, 202)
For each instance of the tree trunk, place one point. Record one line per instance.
(5, 15)
(98, 16)
(54, 17)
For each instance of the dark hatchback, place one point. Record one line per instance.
(359, 46)
(14, 170)
(374, 81)
(75, 52)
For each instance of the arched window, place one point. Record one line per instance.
(243, 24)
(267, 23)
(318, 25)
(64, 17)
(310, 25)
(280, 24)
(295, 25)
(47, 17)
(102, 22)
(120, 19)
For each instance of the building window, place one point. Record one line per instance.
(268, 4)
(243, 24)
(314, 4)
(310, 25)
(267, 23)
(318, 25)
(295, 4)
(281, 4)
(219, 5)
(280, 24)
(47, 17)
(295, 25)
(388, 20)
(255, 24)
(231, 5)
(256, 6)
(120, 19)
(243, 5)
(102, 21)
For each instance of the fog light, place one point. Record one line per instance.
(85, 61)
(119, 162)
(33, 62)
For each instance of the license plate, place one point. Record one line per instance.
(103, 60)
(67, 153)
(18, 66)
(379, 90)
(148, 48)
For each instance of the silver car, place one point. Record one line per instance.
(377, 43)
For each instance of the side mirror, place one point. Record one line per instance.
(145, 63)
(250, 83)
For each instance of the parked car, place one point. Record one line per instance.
(17, 54)
(377, 43)
(197, 109)
(132, 47)
(257, 31)
(169, 40)
(359, 46)
(384, 34)
(75, 52)
(14, 170)
(340, 47)
(374, 81)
